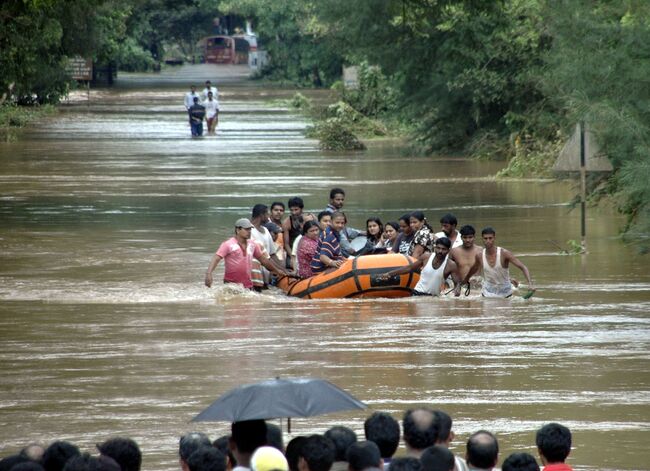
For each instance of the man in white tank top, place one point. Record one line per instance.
(437, 266)
(495, 263)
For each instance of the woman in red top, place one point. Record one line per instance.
(307, 247)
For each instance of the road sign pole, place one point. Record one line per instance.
(583, 189)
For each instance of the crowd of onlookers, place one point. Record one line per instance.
(255, 445)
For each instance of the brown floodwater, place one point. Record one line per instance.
(109, 215)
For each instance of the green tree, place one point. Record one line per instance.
(157, 23)
(38, 36)
(460, 66)
(598, 70)
(31, 57)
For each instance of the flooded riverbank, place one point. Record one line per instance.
(110, 213)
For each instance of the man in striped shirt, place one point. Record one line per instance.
(328, 255)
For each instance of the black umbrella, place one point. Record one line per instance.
(279, 398)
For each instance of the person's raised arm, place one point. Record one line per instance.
(213, 264)
(268, 263)
(418, 250)
(346, 246)
(278, 263)
(452, 254)
(411, 267)
(452, 270)
(524, 269)
(330, 262)
(286, 226)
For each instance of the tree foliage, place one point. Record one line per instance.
(507, 77)
(598, 70)
(295, 39)
(31, 39)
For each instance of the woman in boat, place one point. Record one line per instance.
(391, 231)
(424, 236)
(374, 231)
(307, 248)
(405, 236)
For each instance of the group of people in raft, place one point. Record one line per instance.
(305, 245)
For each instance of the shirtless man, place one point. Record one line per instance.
(494, 263)
(436, 267)
(468, 255)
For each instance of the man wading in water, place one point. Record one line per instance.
(467, 255)
(238, 253)
(495, 262)
(197, 113)
(437, 267)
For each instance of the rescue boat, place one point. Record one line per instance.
(356, 278)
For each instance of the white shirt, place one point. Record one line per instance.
(265, 238)
(455, 243)
(211, 108)
(215, 93)
(431, 279)
(189, 99)
(294, 252)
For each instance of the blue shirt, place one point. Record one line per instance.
(329, 245)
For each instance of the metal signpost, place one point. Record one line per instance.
(582, 154)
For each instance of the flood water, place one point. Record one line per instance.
(110, 213)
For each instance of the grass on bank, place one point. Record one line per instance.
(14, 117)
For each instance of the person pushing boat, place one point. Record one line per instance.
(436, 268)
(238, 253)
(495, 262)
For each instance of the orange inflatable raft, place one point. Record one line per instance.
(356, 278)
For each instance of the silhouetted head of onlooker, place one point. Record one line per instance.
(420, 430)
(293, 452)
(28, 466)
(520, 462)
(316, 454)
(405, 463)
(206, 459)
(123, 450)
(189, 443)
(246, 437)
(342, 437)
(553, 443)
(443, 424)
(482, 450)
(383, 429)
(223, 445)
(33, 452)
(437, 458)
(274, 437)
(85, 462)
(9, 462)
(57, 454)
(364, 455)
